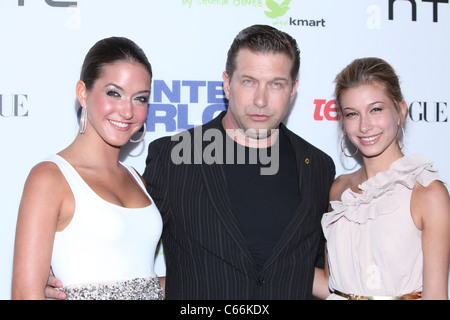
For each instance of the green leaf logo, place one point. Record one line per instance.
(277, 10)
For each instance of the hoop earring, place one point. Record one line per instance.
(403, 138)
(342, 148)
(83, 120)
(142, 136)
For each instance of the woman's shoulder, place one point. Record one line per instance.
(45, 169)
(47, 174)
(44, 192)
(340, 184)
(430, 202)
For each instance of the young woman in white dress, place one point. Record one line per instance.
(83, 213)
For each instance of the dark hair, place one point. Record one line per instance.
(264, 39)
(107, 51)
(368, 71)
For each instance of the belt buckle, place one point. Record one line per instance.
(353, 296)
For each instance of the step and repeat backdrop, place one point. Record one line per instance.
(43, 44)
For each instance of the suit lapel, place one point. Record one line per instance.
(216, 186)
(304, 174)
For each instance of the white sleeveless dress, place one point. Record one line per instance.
(374, 247)
(107, 251)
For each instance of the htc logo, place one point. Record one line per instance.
(414, 8)
(51, 3)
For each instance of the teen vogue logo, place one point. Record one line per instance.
(13, 105)
(418, 111)
(428, 111)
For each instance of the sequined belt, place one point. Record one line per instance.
(134, 289)
(410, 296)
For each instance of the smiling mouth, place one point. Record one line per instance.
(119, 124)
(370, 139)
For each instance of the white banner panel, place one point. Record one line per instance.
(43, 44)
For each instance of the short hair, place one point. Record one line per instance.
(264, 39)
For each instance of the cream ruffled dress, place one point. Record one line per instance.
(374, 247)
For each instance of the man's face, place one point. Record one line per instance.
(260, 92)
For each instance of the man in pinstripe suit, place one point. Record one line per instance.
(232, 231)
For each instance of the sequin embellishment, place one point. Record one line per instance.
(134, 289)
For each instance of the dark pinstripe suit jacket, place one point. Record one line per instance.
(205, 251)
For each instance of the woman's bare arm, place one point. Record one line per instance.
(36, 226)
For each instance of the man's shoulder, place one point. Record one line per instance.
(302, 144)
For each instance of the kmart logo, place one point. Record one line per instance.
(279, 9)
(276, 9)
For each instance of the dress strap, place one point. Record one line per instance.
(73, 178)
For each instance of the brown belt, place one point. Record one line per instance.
(410, 296)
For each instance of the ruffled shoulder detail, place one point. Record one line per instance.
(373, 199)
